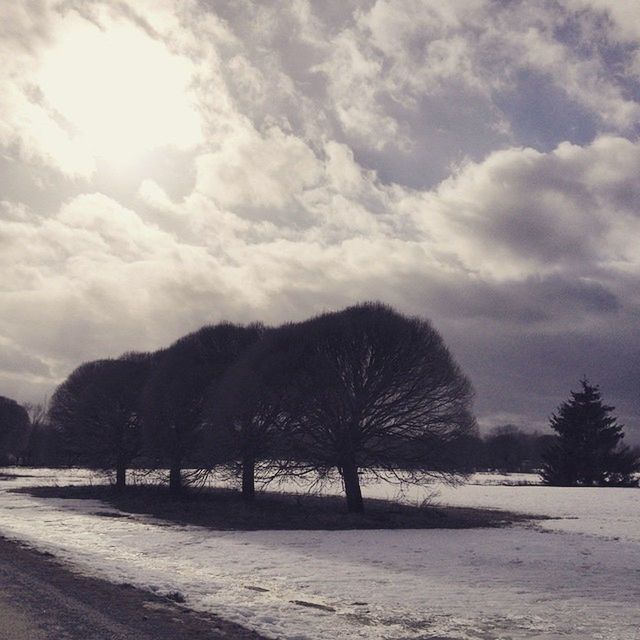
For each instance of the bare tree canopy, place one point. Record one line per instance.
(174, 397)
(248, 414)
(369, 389)
(14, 429)
(96, 412)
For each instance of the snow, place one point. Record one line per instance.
(575, 577)
(612, 512)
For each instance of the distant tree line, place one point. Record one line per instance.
(505, 449)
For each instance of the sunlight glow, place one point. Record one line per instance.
(120, 92)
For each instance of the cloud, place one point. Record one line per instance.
(254, 171)
(14, 360)
(124, 95)
(624, 15)
(101, 271)
(521, 211)
(474, 162)
(27, 126)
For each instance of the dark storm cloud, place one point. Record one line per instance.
(531, 301)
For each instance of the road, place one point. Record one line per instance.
(42, 599)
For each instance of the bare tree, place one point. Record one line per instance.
(96, 412)
(370, 389)
(174, 397)
(39, 442)
(14, 429)
(248, 413)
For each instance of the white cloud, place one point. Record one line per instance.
(521, 211)
(625, 15)
(249, 169)
(26, 125)
(125, 94)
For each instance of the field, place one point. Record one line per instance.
(576, 575)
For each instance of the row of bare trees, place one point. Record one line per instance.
(365, 388)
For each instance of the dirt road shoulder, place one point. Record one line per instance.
(42, 599)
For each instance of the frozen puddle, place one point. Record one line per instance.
(521, 582)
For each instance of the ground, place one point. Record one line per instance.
(575, 576)
(41, 599)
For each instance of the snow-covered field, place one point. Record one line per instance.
(575, 577)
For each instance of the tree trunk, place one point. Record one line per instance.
(175, 478)
(351, 481)
(121, 475)
(248, 478)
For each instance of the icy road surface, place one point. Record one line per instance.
(576, 578)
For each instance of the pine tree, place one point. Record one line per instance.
(587, 450)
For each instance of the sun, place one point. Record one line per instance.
(119, 92)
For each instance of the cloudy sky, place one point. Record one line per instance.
(170, 163)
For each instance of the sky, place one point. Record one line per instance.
(166, 164)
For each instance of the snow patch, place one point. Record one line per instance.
(575, 577)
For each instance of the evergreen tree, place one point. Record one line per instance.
(587, 450)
